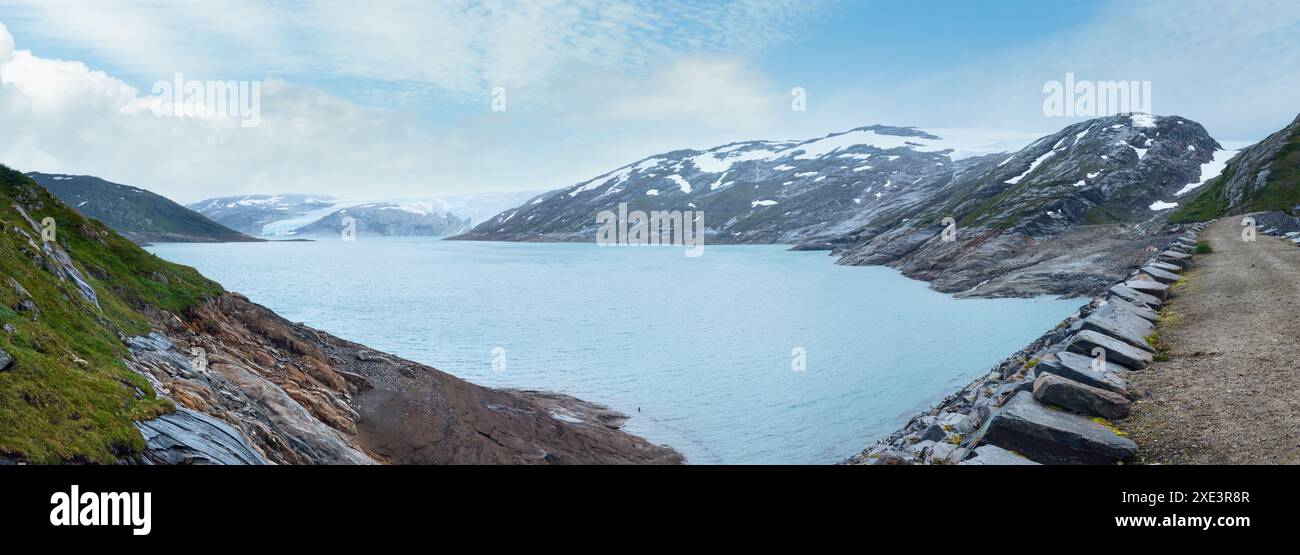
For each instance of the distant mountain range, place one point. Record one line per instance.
(1062, 215)
(135, 213)
(297, 215)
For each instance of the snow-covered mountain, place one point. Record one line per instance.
(750, 192)
(297, 215)
(1060, 215)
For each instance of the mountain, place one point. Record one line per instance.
(109, 354)
(1262, 177)
(135, 213)
(1065, 215)
(1059, 216)
(750, 192)
(252, 214)
(295, 215)
(386, 219)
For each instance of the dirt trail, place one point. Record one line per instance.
(1230, 391)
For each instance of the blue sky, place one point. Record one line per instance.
(393, 100)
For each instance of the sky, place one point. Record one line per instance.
(396, 98)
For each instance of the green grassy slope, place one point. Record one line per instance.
(1281, 191)
(68, 397)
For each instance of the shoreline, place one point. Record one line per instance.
(1013, 414)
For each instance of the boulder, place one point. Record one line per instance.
(1182, 260)
(1117, 351)
(5, 360)
(933, 433)
(1134, 296)
(1083, 399)
(1166, 267)
(1080, 368)
(1138, 310)
(1157, 290)
(1053, 436)
(942, 453)
(1125, 326)
(994, 455)
(1012, 387)
(1162, 276)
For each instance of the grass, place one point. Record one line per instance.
(1109, 426)
(69, 397)
(1280, 192)
(1209, 203)
(1161, 352)
(1203, 247)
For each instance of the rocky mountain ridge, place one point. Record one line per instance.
(1064, 215)
(135, 213)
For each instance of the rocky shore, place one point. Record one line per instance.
(1053, 401)
(254, 388)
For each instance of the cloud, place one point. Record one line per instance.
(61, 116)
(6, 44)
(723, 92)
(459, 48)
(400, 102)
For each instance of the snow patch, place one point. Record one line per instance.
(1143, 120)
(681, 183)
(1209, 170)
(1032, 166)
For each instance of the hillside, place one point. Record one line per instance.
(1262, 177)
(135, 213)
(1066, 215)
(111, 355)
(1062, 216)
(751, 192)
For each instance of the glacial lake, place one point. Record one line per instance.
(699, 352)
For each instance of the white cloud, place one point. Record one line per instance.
(458, 47)
(62, 116)
(591, 84)
(720, 92)
(6, 44)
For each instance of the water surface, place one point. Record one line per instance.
(697, 350)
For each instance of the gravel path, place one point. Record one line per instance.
(1230, 391)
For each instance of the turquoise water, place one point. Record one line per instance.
(697, 350)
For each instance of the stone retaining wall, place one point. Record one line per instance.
(1051, 402)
